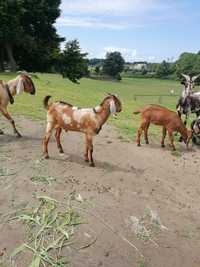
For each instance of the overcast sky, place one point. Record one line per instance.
(150, 30)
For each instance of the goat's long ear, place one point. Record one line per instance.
(195, 77)
(20, 86)
(187, 77)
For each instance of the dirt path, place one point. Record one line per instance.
(126, 181)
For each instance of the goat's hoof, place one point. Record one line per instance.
(92, 164)
(18, 135)
(61, 151)
(147, 142)
(1, 132)
(138, 144)
(86, 160)
(162, 145)
(46, 156)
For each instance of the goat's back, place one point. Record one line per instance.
(160, 115)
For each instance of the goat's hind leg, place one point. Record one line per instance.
(139, 133)
(163, 137)
(57, 136)
(146, 134)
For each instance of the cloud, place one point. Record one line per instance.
(88, 23)
(117, 7)
(115, 15)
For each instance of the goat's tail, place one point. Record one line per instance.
(137, 112)
(45, 101)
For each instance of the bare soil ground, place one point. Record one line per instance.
(126, 181)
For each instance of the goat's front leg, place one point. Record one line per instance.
(57, 136)
(163, 137)
(46, 139)
(89, 150)
(171, 139)
(7, 115)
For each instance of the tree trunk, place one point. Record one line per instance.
(1, 58)
(11, 59)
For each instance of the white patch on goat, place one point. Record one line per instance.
(80, 113)
(49, 118)
(97, 109)
(66, 118)
(59, 108)
(196, 129)
(49, 127)
(74, 108)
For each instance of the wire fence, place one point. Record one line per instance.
(158, 98)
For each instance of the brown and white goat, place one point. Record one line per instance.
(9, 89)
(61, 115)
(170, 121)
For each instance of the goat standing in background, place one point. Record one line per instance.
(170, 121)
(189, 102)
(9, 89)
(61, 115)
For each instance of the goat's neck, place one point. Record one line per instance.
(103, 114)
(12, 84)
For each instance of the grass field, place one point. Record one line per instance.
(90, 92)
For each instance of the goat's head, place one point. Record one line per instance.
(189, 84)
(114, 104)
(25, 84)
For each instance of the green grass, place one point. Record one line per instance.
(90, 93)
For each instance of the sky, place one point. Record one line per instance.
(142, 30)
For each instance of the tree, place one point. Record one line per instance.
(72, 63)
(28, 34)
(11, 30)
(41, 39)
(185, 64)
(163, 70)
(97, 69)
(113, 64)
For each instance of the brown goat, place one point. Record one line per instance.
(9, 89)
(61, 115)
(170, 121)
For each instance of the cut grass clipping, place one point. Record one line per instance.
(50, 228)
(43, 179)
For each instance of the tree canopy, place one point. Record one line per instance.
(113, 64)
(73, 64)
(27, 33)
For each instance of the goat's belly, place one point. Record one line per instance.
(159, 123)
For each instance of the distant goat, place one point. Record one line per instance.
(9, 89)
(61, 115)
(170, 121)
(189, 102)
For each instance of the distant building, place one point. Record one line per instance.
(139, 65)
